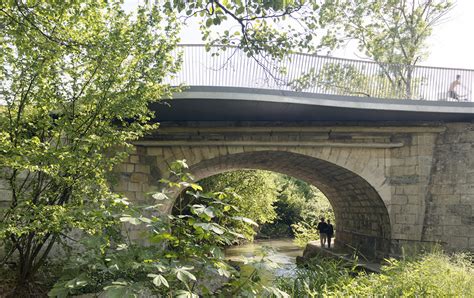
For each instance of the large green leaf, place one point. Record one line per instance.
(183, 274)
(159, 280)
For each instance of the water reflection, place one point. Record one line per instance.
(280, 251)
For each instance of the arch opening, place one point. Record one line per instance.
(282, 206)
(362, 218)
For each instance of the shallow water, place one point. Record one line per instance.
(281, 252)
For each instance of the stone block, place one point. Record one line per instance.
(394, 208)
(451, 220)
(223, 150)
(468, 220)
(142, 169)
(134, 159)
(139, 177)
(415, 201)
(411, 208)
(434, 232)
(459, 209)
(458, 243)
(407, 219)
(122, 185)
(467, 199)
(133, 186)
(471, 243)
(410, 189)
(459, 231)
(403, 171)
(235, 149)
(411, 161)
(120, 168)
(5, 195)
(464, 189)
(445, 189)
(154, 151)
(167, 153)
(140, 196)
(130, 195)
(394, 162)
(470, 178)
(4, 184)
(145, 187)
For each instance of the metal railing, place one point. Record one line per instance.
(321, 74)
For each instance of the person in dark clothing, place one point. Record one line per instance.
(329, 232)
(322, 227)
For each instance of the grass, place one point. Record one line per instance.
(430, 275)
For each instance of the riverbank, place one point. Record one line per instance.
(314, 249)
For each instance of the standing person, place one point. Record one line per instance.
(330, 233)
(322, 227)
(453, 88)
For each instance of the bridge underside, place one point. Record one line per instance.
(248, 104)
(361, 216)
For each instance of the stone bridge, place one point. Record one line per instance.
(388, 145)
(397, 164)
(397, 173)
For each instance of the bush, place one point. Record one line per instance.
(430, 275)
(304, 233)
(318, 276)
(184, 255)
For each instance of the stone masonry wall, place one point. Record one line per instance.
(425, 184)
(408, 175)
(450, 196)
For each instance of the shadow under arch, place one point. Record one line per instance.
(362, 218)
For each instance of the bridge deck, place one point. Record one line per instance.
(204, 103)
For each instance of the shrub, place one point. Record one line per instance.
(183, 255)
(304, 233)
(431, 275)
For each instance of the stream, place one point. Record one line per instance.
(281, 252)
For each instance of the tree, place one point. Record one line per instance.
(256, 193)
(76, 82)
(297, 202)
(273, 28)
(275, 201)
(393, 33)
(265, 30)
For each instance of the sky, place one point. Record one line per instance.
(451, 44)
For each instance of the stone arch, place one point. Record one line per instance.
(362, 218)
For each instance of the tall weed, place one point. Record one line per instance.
(431, 275)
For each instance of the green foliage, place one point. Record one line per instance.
(273, 28)
(77, 80)
(299, 208)
(347, 79)
(275, 201)
(318, 276)
(297, 201)
(387, 31)
(76, 83)
(183, 252)
(431, 275)
(254, 193)
(304, 233)
(392, 33)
